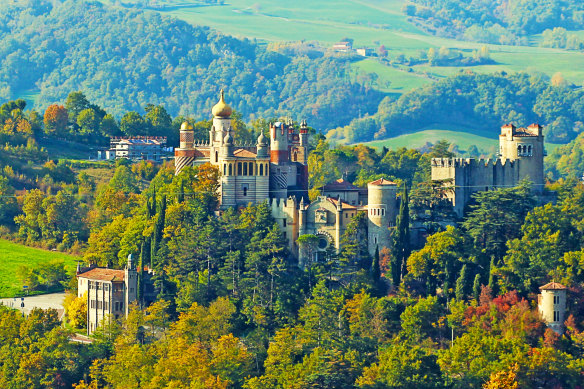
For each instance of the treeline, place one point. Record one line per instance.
(236, 311)
(79, 45)
(484, 102)
(498, 21)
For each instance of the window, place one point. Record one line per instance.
(251, 169)
(245, 188)
(346, 215)
(230, 170)
(239, 171)
(116, 306)
(382, 211)
(556, 315)
(261, 170)
(122, 306)
(556, 300)
(245, 169)
(224, 169)
(216, 156)
(284, 222)
(267, 169)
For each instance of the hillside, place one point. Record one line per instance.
(49, 51)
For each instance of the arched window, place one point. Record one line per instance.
(529, 150)
(216, 156)
(239, 172)
(267, 170)
(251, 169)
(230, 170)
(245, 169)
(224, 169)
(261, 169)
(382, 211)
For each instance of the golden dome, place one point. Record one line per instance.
(186, 126)
(221, 109)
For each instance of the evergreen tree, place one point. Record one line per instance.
(461, 287)
(140, 283)
(375, 267)
(492, 279)
(401, 241)
(158, 229)
(476, 288)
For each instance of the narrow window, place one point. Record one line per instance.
(284, 222)
(245, 190)
(556, 315)
(346, 215)
(224, 169)
(267, 171)
(245, 169)
(216, 156)
(251, 169)
(239, 168)
(382, 211)
(230, 170)
(261, 170)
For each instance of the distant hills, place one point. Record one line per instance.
(124, 59)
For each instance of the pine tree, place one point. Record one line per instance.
(461, 287)
(401, 241)
(476, 288)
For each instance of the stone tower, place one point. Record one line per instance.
(552, 305)
(381, 212)
(185, 154)
(526, 146)
(131, 283)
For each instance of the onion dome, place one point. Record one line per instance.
(222, 109)
(228, 140)
(262, 140)
(186, 126)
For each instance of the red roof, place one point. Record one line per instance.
(343, 204)
(339, 185)
(102, 274)
(382, 181)
(202, 152)
(553, 286)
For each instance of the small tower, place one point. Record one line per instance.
(552, 305)
(262, 169)
(185, 155)
(278, 143)
(131, 283)
(381, 212)
(221, 127)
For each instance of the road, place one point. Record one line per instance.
(45, 301)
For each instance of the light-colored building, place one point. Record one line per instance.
(152, 148)
(109, 292)
(552, 305)
(275, 170)
(521, 153)
(343, 47)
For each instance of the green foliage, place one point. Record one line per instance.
(167, 61)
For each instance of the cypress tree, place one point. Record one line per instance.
(158, 229)
(492, 279)
(401, 241)
(461, 288)
(476, 288)
(140, 283)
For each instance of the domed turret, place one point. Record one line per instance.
(262, 140)
(262, 146)
(186, 126)
(222, 109)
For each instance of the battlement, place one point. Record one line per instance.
(281, 203)
(470, 162)
(509, 130)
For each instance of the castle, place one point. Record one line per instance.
(521, 153)
(276, 170)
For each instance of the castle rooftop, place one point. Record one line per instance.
(102, 274)
(553, 286)
(381, 182)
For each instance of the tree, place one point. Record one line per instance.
(401, 241)
(76, 310)
(55, 120)
(109, 126)
(133, 124)
(76, 103)
(462, 283)
(88, 122)
(476, 288)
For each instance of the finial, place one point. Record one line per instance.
(222, 95)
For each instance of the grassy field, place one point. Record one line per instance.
(13, 255)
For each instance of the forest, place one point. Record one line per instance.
(234, 309)
(483, 101)
(495, 21)
(72, 45)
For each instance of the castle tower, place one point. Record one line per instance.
(221, 127)
(278, 143)
(130, 283)
(381, 212)
(262, 169)
(185, 154)
(228, 176)
(526, 146)
(552, 305)
(279, 161)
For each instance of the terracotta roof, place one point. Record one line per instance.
(382, 181)
(202, 152)
(102, 274)
(242, 153)
(340, 185)
(553, 286)
(343, 204)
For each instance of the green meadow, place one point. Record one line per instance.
(13, 255)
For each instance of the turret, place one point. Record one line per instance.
(381, 212)
(303, 134)
(552, 305)
(262, 146)
(131, 283)
(187, 136)
(279, 143)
